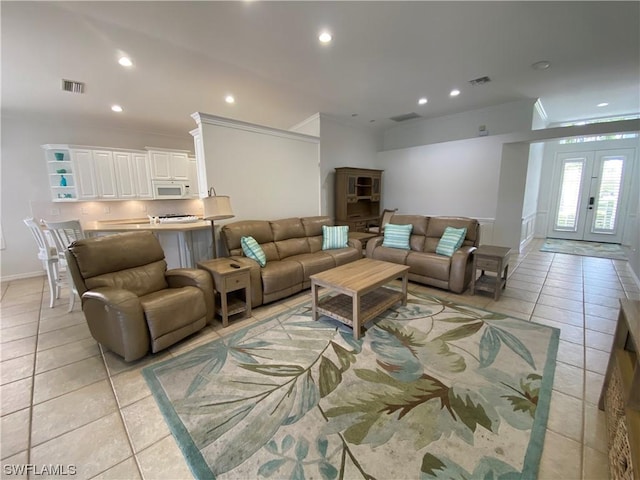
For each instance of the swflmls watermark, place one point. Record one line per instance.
(52, 469)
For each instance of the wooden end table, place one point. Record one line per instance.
(362, 295)
(491, 259)
(227, 279)
(364, 237)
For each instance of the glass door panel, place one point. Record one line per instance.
(572, 173)
(608, 188)
(589, 199)
(570, 184)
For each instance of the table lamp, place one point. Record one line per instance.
(216, 207)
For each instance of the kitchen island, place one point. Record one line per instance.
(184, 243)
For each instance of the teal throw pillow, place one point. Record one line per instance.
(335, 237)
(451, 240)
(253, 250)
(397, 236)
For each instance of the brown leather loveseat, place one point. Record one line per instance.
(425, 265)
(293, 247)
(132, 303)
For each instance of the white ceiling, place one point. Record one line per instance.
(385, 55)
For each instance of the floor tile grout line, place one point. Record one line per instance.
(120, 413)
(33, 382)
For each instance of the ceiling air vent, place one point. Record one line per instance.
(480, 81)
(405, 117)
(72, 86)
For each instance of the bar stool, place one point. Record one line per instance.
(64, 234)
(48, 255)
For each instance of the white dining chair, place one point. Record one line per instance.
(64, 234)
(48, 255)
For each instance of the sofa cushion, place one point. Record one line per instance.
(139, 280)
(429, 265)
(172, 309)
(281, 275)
(397, 236)
(287, 228)
(315, 243)
(419, 222)
(292, 246)
(313, 263)
(253, 250)
(313, 225)
(437, 226)
(334, 237)
(342, 256)
(393, 255)
(260, 230)
(451, 240)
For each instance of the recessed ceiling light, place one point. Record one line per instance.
(422, 101)
(325, 37)
(229, 99)
(603, 104)
(116, 108)
(541, 65)
(454, 93)
(125, 61)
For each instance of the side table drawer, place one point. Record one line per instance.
(235, 282)
(486, 264)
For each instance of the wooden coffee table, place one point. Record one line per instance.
(362, 295)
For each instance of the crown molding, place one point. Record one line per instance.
(205, 118)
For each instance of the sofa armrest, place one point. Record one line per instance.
(355, 243)
(116, 320)
(372, 244)
(255, 278)
(461, 269)
(191, 277)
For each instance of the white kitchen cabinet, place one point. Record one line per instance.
(194, 191)
(125, 175)
(169, 165)
(105, 174)
(142, 168)
(133, 176)
(78, 173)
(85, 175)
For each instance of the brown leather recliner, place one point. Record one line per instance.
(132, 303)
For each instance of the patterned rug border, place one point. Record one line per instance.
(546, 247)
(201, 470)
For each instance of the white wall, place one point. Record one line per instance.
(498, 119)
(268, 173)
(531, 189)
(344, 145)
(452, 178)
(25, 183)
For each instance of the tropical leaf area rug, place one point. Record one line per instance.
(432, 390)
(589, 249)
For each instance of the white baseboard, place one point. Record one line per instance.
(21, 276)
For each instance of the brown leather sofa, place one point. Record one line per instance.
(425, 265)
(132, 303)
(293, 247)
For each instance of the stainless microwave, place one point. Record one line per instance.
(170, 189)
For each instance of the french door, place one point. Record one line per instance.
(590, 195)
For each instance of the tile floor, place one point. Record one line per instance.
(65, 401)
